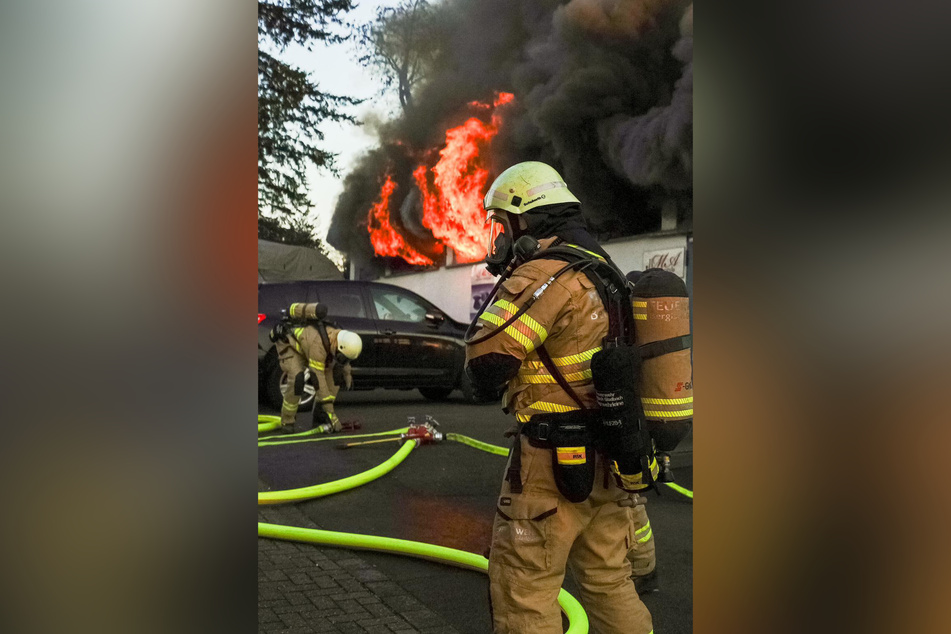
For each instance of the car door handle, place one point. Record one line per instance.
(389, 332)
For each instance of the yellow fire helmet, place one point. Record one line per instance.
(525, 186)
(349, 344)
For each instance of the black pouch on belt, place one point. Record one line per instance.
(569, 436)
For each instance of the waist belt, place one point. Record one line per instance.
(542, 431)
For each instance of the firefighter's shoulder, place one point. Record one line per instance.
(531, 275)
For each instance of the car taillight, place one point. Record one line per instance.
(261, 317)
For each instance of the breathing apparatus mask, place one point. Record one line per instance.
(501, 242)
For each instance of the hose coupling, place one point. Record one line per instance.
(424, 434)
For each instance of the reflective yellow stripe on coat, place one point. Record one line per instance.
(575, 368)
(525, 330)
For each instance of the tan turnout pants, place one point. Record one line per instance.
(537, 533)
(642, 555)
(293, 363)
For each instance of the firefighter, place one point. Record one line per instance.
(543, 525)
(308, 346)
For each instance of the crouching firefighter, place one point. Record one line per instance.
(308, 346)
(558, 330)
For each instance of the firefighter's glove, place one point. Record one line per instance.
(279, 333)
(489, 373)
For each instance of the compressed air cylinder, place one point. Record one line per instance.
(661, 327)
(308, 311)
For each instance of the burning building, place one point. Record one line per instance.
(600, 89)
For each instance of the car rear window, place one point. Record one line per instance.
(395, 305)
(272, 298)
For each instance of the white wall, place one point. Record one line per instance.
(449, 289)
(628, 253)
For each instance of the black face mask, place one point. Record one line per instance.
(501, 255)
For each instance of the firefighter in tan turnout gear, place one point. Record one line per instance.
(562, 503)
(308, 346)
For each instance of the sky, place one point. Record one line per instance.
(334, 69)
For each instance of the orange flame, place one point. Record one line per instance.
(384, 236)
(460, 176)
(451, 192)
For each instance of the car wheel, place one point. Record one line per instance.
(277, 384)
(436, 393)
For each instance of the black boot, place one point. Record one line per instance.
(646, 584)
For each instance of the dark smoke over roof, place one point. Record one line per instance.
(603, 92)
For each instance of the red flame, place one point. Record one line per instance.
(385, 238)
(451, 191)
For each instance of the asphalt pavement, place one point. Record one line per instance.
(442, 494)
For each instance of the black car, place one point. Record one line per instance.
(407, 342)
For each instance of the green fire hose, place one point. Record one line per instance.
(578, 620)
(478, 444)
(267, 422)
(292, 439)
(329, 488)
(680, 489)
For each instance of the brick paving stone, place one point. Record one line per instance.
(423, 618)
(267, 616)
(304, 588)
(378, 609)
(402, 602)
(366, 575)
(325, 582)
(384, 588)
(321, 602)
(292, 618)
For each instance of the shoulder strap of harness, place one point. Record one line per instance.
(610, 283)
(324, 339)
(559, 377)
(514, 473)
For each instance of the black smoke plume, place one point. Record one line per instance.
(603, 92)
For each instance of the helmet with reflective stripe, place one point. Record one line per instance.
(526, 186)
(349, 344)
